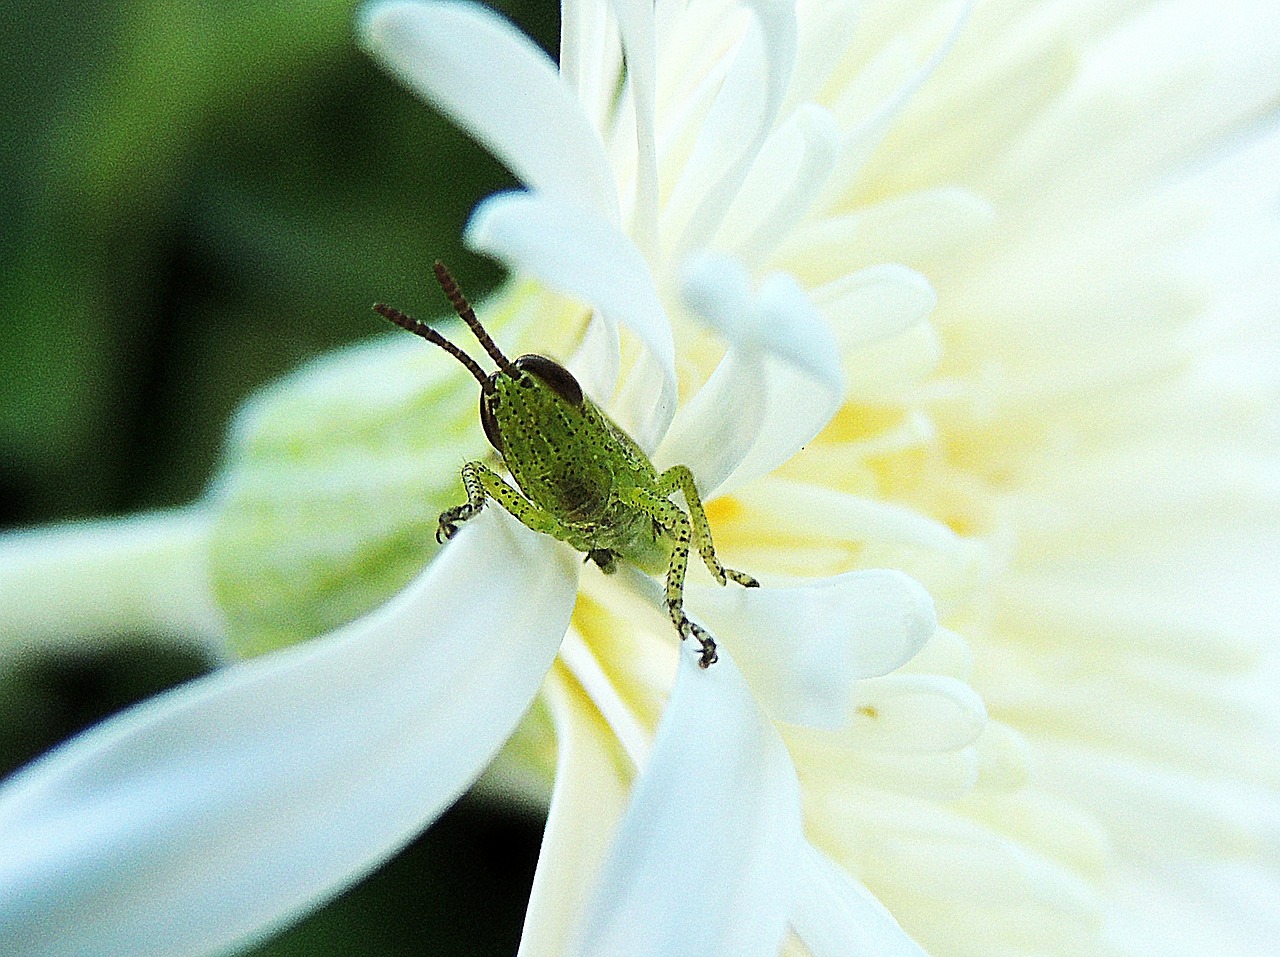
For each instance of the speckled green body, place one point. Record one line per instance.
(580, 477)
(579, 466)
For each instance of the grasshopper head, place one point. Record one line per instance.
(535, 390)
(521, 394)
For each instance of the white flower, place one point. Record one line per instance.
(1059, 457)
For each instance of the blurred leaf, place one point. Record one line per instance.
(224, 197)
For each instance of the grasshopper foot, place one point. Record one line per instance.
(709, 654)
(451, 520)
(742, 578)
(690, 629)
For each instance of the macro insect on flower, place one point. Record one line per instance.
(585, 481)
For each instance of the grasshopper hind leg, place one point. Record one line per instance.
(686, 532)
(681, 533)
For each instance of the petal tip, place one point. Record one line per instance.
(375, 22)
(919, 614)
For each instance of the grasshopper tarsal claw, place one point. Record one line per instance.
(689, 628)
(451, 520)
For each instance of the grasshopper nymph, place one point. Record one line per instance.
(584, 480)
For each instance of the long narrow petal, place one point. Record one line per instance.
(496, 84)
(804, 647)
(781, 186)
(712, 826)
(585, 256)
(591, 57)
(873, 303)
(740, 120)
(267, 787)
(837, 917)
(589, 798)
(636, 24)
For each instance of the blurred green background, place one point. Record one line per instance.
(198, 195)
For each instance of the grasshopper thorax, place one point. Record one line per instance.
(548, 434)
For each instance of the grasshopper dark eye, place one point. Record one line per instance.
(559, 378)
(487, 401)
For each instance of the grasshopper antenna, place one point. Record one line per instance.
(419, 328)
(468, 315)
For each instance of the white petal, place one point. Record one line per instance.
(824, 34)
(740, 119)
(1172, 908)
(864, 136)
(645, 403)
(907, 714)
(597, 359)
(636, 24)
(873, 303)
(713, 823)
(203, 817)
(924, 228)
(803, 647)
(589, 799)
(886, 533)
(789, 327)
(496, 83)
(591, 57)
(716, 429)
(782, 354)
(624, 725)
(585, 256)
(919, 713)
(783, 182)
(836, 916)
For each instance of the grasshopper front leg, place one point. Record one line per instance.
(483, 483)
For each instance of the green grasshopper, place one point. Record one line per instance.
(581, 478)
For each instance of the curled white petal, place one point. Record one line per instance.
(775, 389)
(597, 359)
(783, 182)
(916, 713)
(713, 824)
(715, 431)
(804, 647)
(264, 788)
(496, 83)
(741, 117)
(636, 25)
(873, 303)
(836, 916)
(585, 256)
